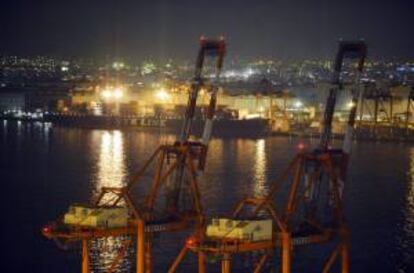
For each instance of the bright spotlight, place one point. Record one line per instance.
(107, 94)
(350, 104)
(298, 104)
(118, 93)
(112, 93)
(162, 95)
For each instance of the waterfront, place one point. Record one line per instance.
(45, 169)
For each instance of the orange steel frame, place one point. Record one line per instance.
(183, 156)
(306, 173)
(284, 238)
(166, 158)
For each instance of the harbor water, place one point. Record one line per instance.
(43, 169)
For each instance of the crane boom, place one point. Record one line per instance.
(215, 49)
(347, 49)
(352, 50)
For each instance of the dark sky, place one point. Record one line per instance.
(170, 28)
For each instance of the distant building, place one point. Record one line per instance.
(48, 99)
(12, 100)
(33, 98)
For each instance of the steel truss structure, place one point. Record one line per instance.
(177, 168)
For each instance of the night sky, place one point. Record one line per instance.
(162, 29)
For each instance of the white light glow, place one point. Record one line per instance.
(162, 95)
(298, 104)
(106, 94)
(247, 73)
(118, 93)
(350, 104)
(259, 169)
(111, 161)
(112, 93)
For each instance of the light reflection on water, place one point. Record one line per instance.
(259, 169)
(53, 167)
(408, 227)
(111, 172)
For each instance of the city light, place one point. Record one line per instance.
(350, 104)
(148, 68)
(106, 94)
(248, 72)
(118, 93)
(118, 65)
(162, 95)
(298, 104)
(112, 93)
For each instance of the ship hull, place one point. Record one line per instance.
(222, 127)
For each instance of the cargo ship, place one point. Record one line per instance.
(223, 127)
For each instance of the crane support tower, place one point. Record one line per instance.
(410, 107)
(212, 48)
(116, 213)
(350, 50)
(376, 110)
(309, 215)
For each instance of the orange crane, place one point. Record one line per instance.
(177, 169)
(311, 213)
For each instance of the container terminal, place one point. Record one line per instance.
(308, 214)
(257, 99)
(385, 111)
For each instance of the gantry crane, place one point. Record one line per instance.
(310, 214)
(410, 107)
(177, 170)
(376, 100)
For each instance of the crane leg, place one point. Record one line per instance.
(178, 260)
(332, 258)
(201, 262)
(140, 246)
(226, 263)
(85, 256)
(345, 258)
(261, 263)
(286, 252)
